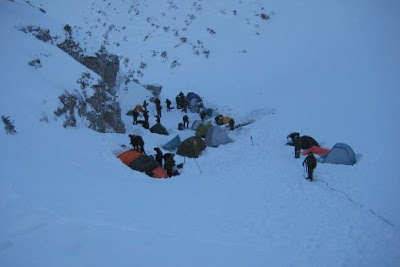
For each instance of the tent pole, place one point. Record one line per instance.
(198, 166)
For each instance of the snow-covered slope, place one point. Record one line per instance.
(326, 69)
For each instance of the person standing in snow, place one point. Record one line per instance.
(297, 147)
(184, 105)
(186, 121)
(169, 163)
(168, 102)
(135, 115)
(159, 108)
(140, 143)
(157, 101)
(311, 163)
(159, 156)
(146, 124)
(231, 124)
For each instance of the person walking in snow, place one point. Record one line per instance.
(186, 121)
(311, 162)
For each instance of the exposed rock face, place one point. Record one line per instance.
(100, 109)
(104, 64)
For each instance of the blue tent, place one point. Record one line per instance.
(190, 96)
(173, 144)
(341, 154)
(216, 136)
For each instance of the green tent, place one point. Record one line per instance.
(202, 129)
(159, 129)
(191, 147)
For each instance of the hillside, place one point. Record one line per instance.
(322, 68)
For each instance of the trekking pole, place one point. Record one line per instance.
(305, 170)
(198, 166)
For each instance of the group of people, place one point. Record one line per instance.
(163, 160)
(182, 102)
(166, 161)
(169, 161)
(136, 113)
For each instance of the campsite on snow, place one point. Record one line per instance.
(199, 133)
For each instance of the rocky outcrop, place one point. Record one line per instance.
(106, 65)
(99, 108)
(41, 34)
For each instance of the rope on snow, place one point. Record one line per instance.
(358, 204)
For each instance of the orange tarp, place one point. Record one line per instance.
(316, 150)
(128, 156)
(160, 173)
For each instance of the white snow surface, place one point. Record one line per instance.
(329, 69)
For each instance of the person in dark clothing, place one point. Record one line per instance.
(218, 119)
(186, 121)
(184, 105)
(141, 144)
(181, 95)
(134, 141)
(169, 163)
(135, 115)
(146, 124)
(231, 124)
(297, 147)
(178, 102)
(159, 108)
(159, 156)
(311, 163)
(146, 115)
(158, 119)
(137, 142)
(293, 136)
(157, 102)
(168, 102)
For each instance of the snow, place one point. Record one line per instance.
(322, 68)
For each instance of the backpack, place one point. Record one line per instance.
(312, 162)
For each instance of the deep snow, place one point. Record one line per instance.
(326, 69)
